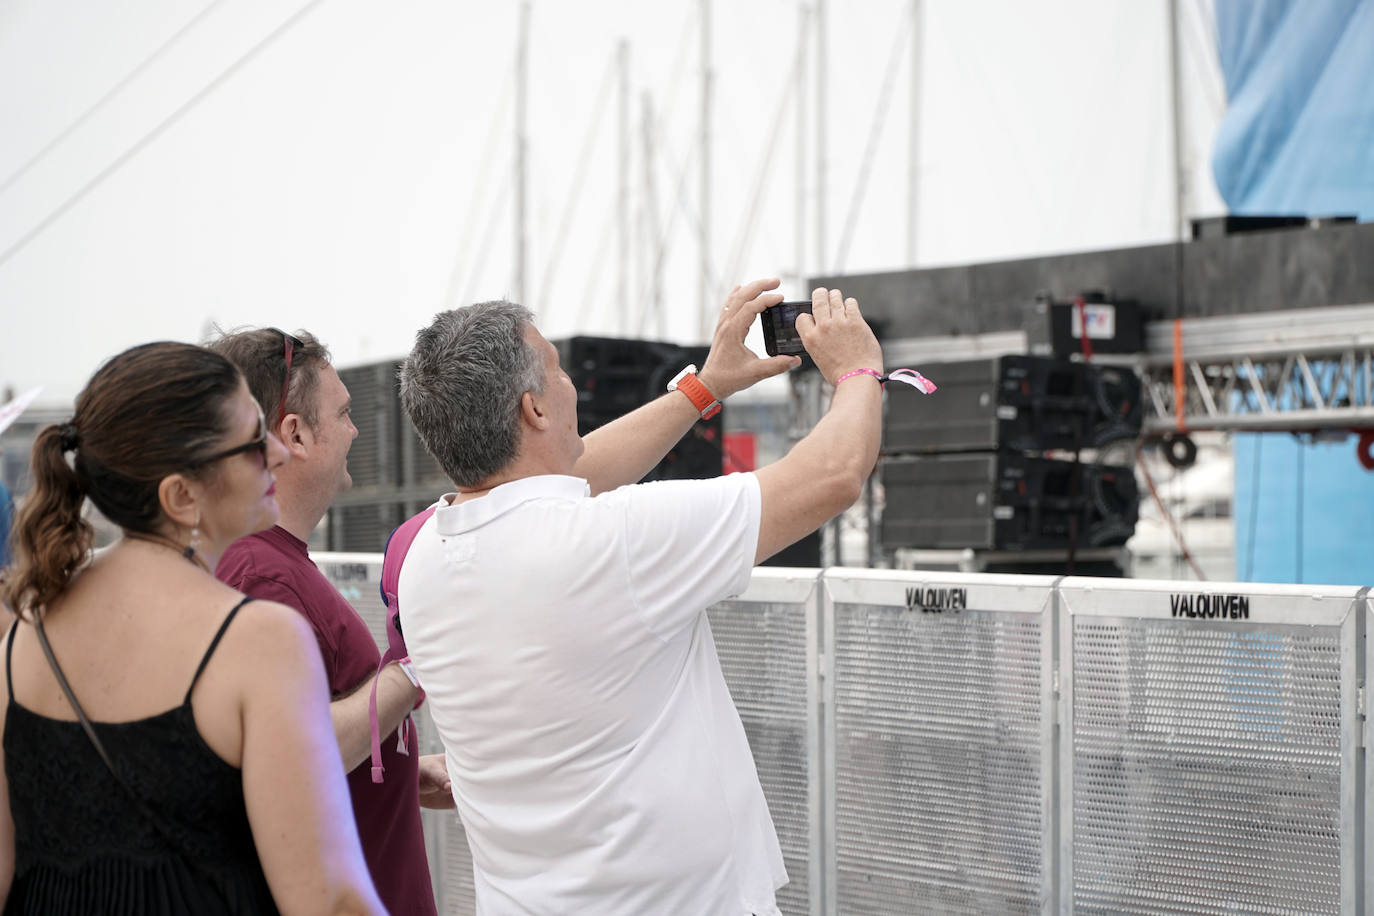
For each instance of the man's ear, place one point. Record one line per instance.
(180, 496)
(296, 435)
(531, 411)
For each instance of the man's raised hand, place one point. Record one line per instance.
(731, 366)
(836, 335)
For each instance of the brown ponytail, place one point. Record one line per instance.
(149, 412)
(51, 536)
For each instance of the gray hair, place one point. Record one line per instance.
(462, 383)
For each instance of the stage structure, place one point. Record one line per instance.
(394, 476)
(1260, 331)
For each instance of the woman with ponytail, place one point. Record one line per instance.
(150, 764)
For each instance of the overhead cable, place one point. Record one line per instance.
(596, 273)
(589, 139)
(114, 90)
(875, 133)
(463, 266)
(156, 132)
(745, 234)
(1167, 515)
(479, 259)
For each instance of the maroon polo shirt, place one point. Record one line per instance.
(274, 565)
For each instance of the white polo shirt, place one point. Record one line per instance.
(598, 762)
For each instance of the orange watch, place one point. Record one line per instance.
(701, 397)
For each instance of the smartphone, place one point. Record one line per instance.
(780, 327)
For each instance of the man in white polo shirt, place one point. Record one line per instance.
(556, 617)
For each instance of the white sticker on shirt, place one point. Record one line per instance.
(460, 548)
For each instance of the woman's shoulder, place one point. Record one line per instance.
(266, 630)
(268, 619)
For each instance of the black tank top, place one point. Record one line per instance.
(82, 846)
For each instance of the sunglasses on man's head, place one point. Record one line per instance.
(259, 445)
(289, 343)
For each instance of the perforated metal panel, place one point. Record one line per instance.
(943, 745)
(1210, 747)
(762, 639)
(1206, 763)
(418, 465)
(364, 527)
(450, 862)
(372, 459)
(357, 577)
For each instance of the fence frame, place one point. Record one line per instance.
(1334, 607)
(1018, 594)
(800, 586)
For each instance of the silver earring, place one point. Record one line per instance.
(195, 534)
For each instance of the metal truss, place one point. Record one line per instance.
(1304, 370)
(1299, 392)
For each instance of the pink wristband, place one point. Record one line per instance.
(873, 372)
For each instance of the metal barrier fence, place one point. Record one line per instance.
(358, 577)
(765, 639)
(941, 738)
(960, 743)
(1211, 746)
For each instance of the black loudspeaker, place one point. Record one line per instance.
(1101, 569)
(613, 376)
(1015, 403)
(1112, 326)
(373, 459)
(1004, 501)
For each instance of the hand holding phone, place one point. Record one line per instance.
(779, 322)
(731, 365)
(836, 337)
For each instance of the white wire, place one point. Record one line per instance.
(875, 133)
(114, 90)
(579, 179)
(156, 132)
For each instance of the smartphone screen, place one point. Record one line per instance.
(780, 327)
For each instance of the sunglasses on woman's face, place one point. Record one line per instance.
(259, 444)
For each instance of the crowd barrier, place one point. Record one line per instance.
(358, 577)
(980, 743)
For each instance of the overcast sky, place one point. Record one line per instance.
(346, 166)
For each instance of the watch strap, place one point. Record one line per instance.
(701, 397)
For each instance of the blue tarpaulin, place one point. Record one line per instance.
(1304, 512)
(1298, 133)
(1298, 139)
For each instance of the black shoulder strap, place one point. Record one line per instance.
(81, 717)
(9, 653)
(204, 659)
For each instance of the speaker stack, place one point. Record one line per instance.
(989, 461)
(394, 476)
(614, 376)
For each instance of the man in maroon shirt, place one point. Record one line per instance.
(307, 407)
